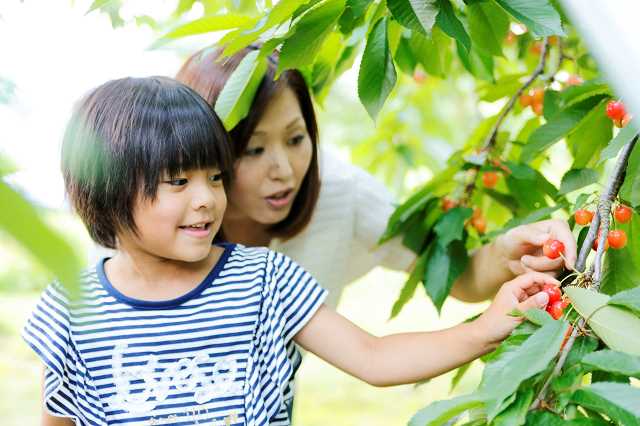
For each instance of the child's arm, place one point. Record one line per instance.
(411, 357)
(48, 419)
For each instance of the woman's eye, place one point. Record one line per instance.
(254, 151)
(177, 182)
(296, 140)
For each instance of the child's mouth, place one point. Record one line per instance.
(197, 230)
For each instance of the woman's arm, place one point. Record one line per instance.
(48, 419)
(411, 357)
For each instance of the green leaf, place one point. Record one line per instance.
(621, 269)
(590, 136)
(503, 87)
(444, 266)
(506, 200)
(537, 316)
(477, 63)
(630, 189)
(432, 52)
(307, 36)
(613, 362)
(416, 15)
(623, 137)
(551, 104)
(576, 179)
(99, 4)
(23, 223)
(573, 95)
(515, 413)
(440, 412)
(460, 372)
(236, 97)
(617, 327)
(539, 16)
(353, 15)
(377, 75)
(488, 25)
(617, 401)
(582, 346)
(409, 288)
(450, 227)
(503, 377)
(551, 132)
(208, 24)
(629, 299)
(451, 25)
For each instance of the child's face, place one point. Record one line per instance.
(181, 222)
(269, 174)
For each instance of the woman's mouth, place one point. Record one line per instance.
(280, 199)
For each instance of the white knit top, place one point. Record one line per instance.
(339, 245)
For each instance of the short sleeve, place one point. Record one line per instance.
(373, 207)
(68, 392)
(290, 298)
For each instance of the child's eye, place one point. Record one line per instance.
(254, 151)
(177, 182)
(216, 178)
(296, 140)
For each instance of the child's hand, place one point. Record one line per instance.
(521, 293)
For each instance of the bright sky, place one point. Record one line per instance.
(54, 53)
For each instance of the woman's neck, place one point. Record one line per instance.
(246, 232)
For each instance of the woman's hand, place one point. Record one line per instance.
(522, 293)
(521, 247)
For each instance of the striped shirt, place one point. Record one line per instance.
(222, 354)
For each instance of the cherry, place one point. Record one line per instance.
(490, 179)
(565, 303)
(537, 108)
(617, 238)
(479, 223)
(536, 48)
(553, 248)
(615, 110)
(583, 217)
(595, 242)
(448, 204)
(555, 309)
(525, 100)
(537, 95)
(574, 80)
(419, 76)
(477, 212)
(553, 291)
(622, 214)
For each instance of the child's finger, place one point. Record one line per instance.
(524, 281)
(538, 300)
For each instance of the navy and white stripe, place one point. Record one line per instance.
(221, 354)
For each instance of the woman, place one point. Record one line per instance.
(327, 214)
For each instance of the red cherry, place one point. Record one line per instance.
(553, 248)
(536, 48)
(622, 214)
(566, 336)
(480, 224)
(583, 217)
(615, 110)
(537, 108)
(553, 291)
(490, 179)
(617, 238)
(565, 303)
(525, 100)
(419, 76)
(595, 242)
(538, 95)
(448, 204)
(555, 309)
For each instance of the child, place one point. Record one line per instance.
(175, 330)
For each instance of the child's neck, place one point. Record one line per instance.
(246, 232)
(142, 276)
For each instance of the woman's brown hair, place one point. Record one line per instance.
(207, 71)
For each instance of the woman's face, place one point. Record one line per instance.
(268, 175)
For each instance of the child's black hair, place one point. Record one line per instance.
(124, 136)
